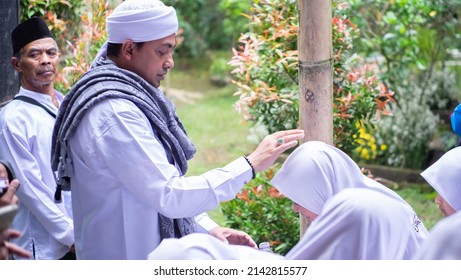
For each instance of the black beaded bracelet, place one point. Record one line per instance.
(252, 168)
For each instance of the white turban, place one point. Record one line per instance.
(141, 21)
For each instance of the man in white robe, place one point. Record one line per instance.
(123, 152)
(26, 126)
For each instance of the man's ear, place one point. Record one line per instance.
(127, 50)
(15, 63)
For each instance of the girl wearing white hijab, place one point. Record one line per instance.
(445, 177)
(199, 246)
(357, 224)
(444, 242)
(316, 171)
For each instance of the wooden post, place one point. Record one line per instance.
(315, 73)
(9, 18)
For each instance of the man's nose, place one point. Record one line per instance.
(45, 59)
(169, 63)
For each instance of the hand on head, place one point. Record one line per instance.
(272, 146)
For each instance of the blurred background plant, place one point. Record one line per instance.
(84, 48)
(63, 16)
(209, 24)
(266, 74)
(411, 40)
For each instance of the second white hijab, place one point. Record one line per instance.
(315, 172)
(357, 224)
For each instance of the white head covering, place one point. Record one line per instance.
(139, 21)
(357, 224)
(199, 246)
(315, 171)
(444, 242)
(445, 177)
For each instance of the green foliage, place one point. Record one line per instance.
(411, 41)
(233, 23)
(85, 47)
(62, 16)
(208, 24)
(266, 73)
(220, 72)
(262, 212)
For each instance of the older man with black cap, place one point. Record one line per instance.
(26, 126)
(121, 147)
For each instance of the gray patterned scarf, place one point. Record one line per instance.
(105, 80)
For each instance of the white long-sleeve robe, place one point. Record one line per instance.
(123, 180)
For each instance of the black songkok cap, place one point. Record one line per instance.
(27, 31)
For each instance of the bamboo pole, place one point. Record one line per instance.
(315, 73)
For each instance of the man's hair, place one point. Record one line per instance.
(113, 49)
(19, 54)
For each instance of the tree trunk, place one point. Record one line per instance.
(315, 73)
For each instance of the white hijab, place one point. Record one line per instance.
(200, 246)
(315, 171)
(445, 177)
(357, 224)
(444, 242)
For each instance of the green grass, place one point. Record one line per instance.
(421, 197)
(210, 119)
(215, 128)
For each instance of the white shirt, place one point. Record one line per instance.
(25, 141)
(357, 224)
(444, 242)
(122, 179)
(315, 171)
